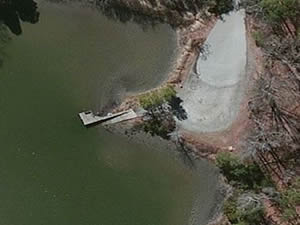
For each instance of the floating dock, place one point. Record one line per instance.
(89, 118)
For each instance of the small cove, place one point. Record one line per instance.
(55, 171)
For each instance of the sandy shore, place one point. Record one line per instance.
(187, 40)
(207, 143)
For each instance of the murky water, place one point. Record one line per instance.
(55, 171)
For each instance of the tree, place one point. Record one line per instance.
(162, 106)
(220, 7)
(282, 15)
(245, 209)
(245, 176)
(282, 12)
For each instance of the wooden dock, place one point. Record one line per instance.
(89, 118)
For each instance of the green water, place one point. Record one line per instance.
(53, 171)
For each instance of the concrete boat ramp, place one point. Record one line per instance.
(88, 118)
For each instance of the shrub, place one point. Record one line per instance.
(241, 175)
(239, 216)
(289, 200)
(160, 119)
(259, 38)
(157, 98)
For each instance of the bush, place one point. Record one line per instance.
(277, 10)
(241, 175)
(160, 119)
(239, 216)
(157, 97)
(290, 198)
(259, 38)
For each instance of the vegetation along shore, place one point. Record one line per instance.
(258, 153)
(258, 150)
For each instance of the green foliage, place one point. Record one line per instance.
(242, 217)
(157, 97)
(259, 38)
(277, 10)
(241, 175)
(160, 126)
(172, 12)
(160, 120)
(221, 6)
(290, 198)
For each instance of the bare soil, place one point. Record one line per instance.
(209, 144)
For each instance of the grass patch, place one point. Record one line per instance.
(259, 38)
(157, 97)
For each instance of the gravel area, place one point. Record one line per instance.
(212, 95)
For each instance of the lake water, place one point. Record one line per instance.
(55, 171)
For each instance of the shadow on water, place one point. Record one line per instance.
(12, 12)
(4, 39)
(142, 13)
(185, 154)
(120, 12)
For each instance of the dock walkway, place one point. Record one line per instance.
(89, 118)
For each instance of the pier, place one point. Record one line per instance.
(89, 118)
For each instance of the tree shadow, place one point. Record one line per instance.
(14, 11)
(4, 39)
(176, 108)
(173, 12)
(186, 154)
(119, 11)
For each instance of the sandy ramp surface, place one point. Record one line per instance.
(212, 96)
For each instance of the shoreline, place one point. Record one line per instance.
(187, 41)
(204, 145)
(208, 144)
(185, 59)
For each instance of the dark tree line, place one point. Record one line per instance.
(148, 13)
(173, 12)
(12, 12)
